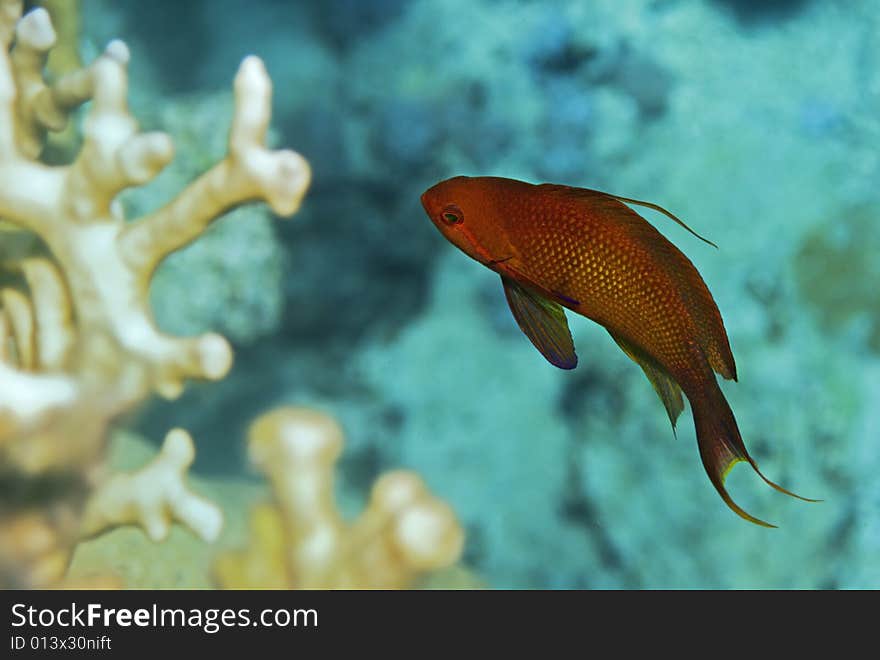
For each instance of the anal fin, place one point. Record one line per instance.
(665, 386)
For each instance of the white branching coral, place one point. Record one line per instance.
(302, 541)
(107, 261)
(78, 344)
(154, 497)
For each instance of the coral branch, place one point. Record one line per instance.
(53, 317)
(10, 10)
(64, 57)
(27, 398)
(20, 320)
(38, 331)
(34, 37)
(303, 542)
(249, 172)
(154, 497)
(297, 449)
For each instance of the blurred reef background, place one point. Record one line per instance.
(757, 122)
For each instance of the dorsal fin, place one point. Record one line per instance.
(669, 215)
(574, 191)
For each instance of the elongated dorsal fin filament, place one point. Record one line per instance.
(668, 214)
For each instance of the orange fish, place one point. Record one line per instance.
(560, 247)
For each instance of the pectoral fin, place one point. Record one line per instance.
(667, 389)
(543, 322)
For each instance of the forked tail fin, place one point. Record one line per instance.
(721, 447)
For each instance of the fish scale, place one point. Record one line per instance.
(561, 247)
(590, 264)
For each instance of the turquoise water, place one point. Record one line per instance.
(755, 122)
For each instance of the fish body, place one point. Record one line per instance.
(561, 247)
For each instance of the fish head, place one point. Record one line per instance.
(461, 208)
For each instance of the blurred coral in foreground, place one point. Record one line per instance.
(78, 345)
(301, 541)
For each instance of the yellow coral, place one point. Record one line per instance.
(301, 541)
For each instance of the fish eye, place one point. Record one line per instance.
(452, 215)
